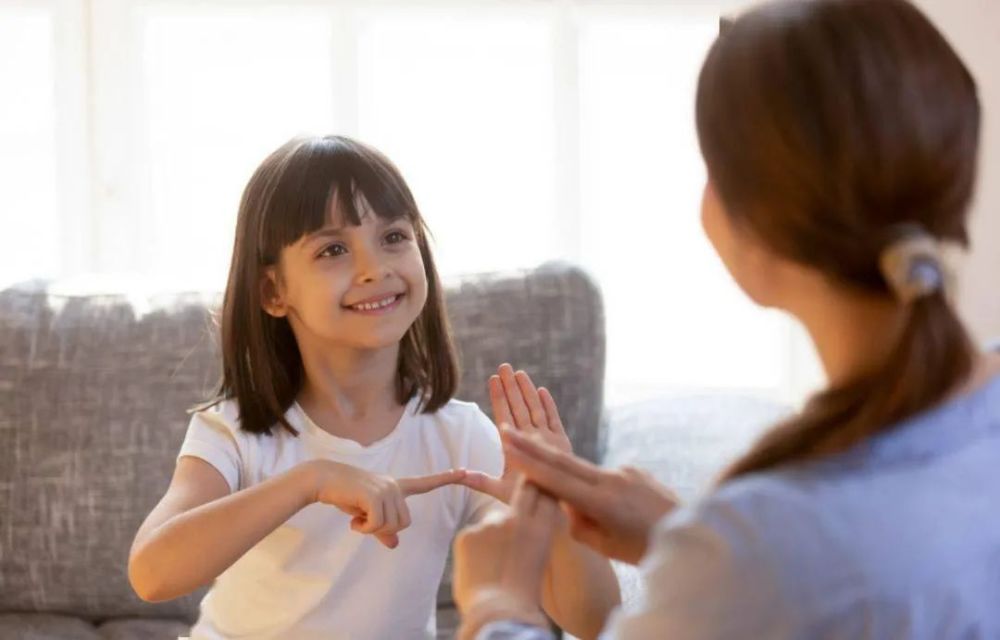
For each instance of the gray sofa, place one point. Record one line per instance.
(93, 392)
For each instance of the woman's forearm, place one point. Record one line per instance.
(191, 549)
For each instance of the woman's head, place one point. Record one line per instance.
(331, 253)
(824, 123)
(827, 126)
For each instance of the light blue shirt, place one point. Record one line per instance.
(897, 538)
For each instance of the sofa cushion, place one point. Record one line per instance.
(45, 626)
(93, 392)
(685, 440)
(143, 629)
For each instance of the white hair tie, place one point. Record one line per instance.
(912, 263)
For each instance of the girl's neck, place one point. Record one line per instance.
(349, 384)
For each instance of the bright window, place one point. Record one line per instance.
(528, 131)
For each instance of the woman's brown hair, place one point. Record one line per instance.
(824, 125)
(289, 196)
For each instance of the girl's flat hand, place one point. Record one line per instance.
(376, 503)
(500, 562)
(518, 404)
(611, 511)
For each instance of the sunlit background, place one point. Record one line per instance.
(528, 131)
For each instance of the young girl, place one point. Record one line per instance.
(840, 138)
(317, 489)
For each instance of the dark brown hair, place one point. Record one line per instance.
(288, 196)
(824, 124)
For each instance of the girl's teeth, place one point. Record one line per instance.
(371, 306)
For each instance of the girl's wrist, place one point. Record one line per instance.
(313, 476)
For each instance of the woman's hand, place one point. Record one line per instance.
(518, 404)
(611, 511)
(376, 503)
(500, 562)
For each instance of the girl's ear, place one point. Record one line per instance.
(271, 299)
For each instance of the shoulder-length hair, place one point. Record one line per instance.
(287, 197)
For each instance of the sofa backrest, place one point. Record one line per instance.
(93, 397)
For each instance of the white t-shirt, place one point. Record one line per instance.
(315, 578)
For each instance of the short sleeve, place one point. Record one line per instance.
(708, 574)
(212, 438)
(485, 454)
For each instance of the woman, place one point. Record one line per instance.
(840, 139)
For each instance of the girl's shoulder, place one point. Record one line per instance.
(224, 414)
(223, 417)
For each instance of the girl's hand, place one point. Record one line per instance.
(500, 562)
(611, 511)
(377, 503)
(518, 404)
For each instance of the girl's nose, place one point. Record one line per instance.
(369, 267)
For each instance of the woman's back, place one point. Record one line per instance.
(899, 537)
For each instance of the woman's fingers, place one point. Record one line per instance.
(518, 408)
(551, 411)
(566, 486)
(530, 394)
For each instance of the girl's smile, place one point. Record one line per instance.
(377, 305)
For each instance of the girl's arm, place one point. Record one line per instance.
(199, 528)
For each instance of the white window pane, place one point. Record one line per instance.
(29, 235)
(674, 317)
(464, 105)
(223, 89)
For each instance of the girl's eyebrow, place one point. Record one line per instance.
(326, 232)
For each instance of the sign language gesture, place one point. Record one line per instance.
(611, 511)
(518, 404)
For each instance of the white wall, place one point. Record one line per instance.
(973, 27)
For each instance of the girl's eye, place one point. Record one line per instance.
(333, 250)
(394, 237)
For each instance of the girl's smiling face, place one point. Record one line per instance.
(353, 286)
